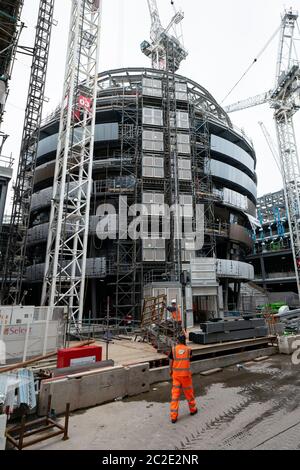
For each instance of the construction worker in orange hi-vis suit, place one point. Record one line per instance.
(175, 311)
(180, 372)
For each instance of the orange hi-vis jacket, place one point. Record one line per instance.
(181, 361)
(176, 315)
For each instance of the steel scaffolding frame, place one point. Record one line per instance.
(12, 29)
(202, 180)
(174, 253)
(15, 259)
(128, 262)
(64, 280)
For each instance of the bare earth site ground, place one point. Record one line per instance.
(255, 407)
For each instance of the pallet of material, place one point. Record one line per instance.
(232, 325)
(200, 337)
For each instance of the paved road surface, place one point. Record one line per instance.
(253, 408)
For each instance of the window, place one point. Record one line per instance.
(182, 120)
(153, 140)
(183, 143)
(181, 91)
(153, 201)
(184, 169)
(152, 116)
(152, 87)
(153, 167)
(154, 250)
(186, 201)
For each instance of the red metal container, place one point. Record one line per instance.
(78, 356)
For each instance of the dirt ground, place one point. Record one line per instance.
(253, 407)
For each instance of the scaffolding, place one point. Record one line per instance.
(11, 28)
(158, 124)
(128, 259)
(202, 185)
(15, 259)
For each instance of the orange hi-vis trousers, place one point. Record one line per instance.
(184, 384)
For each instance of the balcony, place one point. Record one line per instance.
(284, 276)
(235, 270)
(95, 268)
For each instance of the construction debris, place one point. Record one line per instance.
(262, 358)
(211, 371)
(17, 389)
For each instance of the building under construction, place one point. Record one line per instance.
(141, 115)
(272, 256)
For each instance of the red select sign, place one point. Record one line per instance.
(16, 330)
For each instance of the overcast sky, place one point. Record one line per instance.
(222, 37)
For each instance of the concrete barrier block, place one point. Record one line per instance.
(83, 390)
(137, 379)
(102, 387)
(159, 374)
(62, 392)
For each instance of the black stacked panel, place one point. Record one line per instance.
(221, 331)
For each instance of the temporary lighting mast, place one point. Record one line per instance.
(64, 280)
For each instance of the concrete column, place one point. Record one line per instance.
(94, 298)
(221, 302)
(235, 294)
(3, 194)
(263, 271)
(226, 287)
(238, 296)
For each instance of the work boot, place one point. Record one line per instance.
(192, 413)
(174, 421)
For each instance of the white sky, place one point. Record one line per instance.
(222, 37)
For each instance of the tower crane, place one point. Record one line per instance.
(66, 252)
(284, 99)
(162, 41)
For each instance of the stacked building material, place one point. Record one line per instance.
(17, 388)
(221, 331)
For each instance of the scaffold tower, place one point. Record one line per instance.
(65, 267)
(15, 260)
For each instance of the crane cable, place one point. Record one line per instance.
(254, 62)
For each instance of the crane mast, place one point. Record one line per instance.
(285, 101)
(15, 258)
(156, 26)
(65, 267)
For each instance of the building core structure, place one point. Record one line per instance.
(135, 124)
